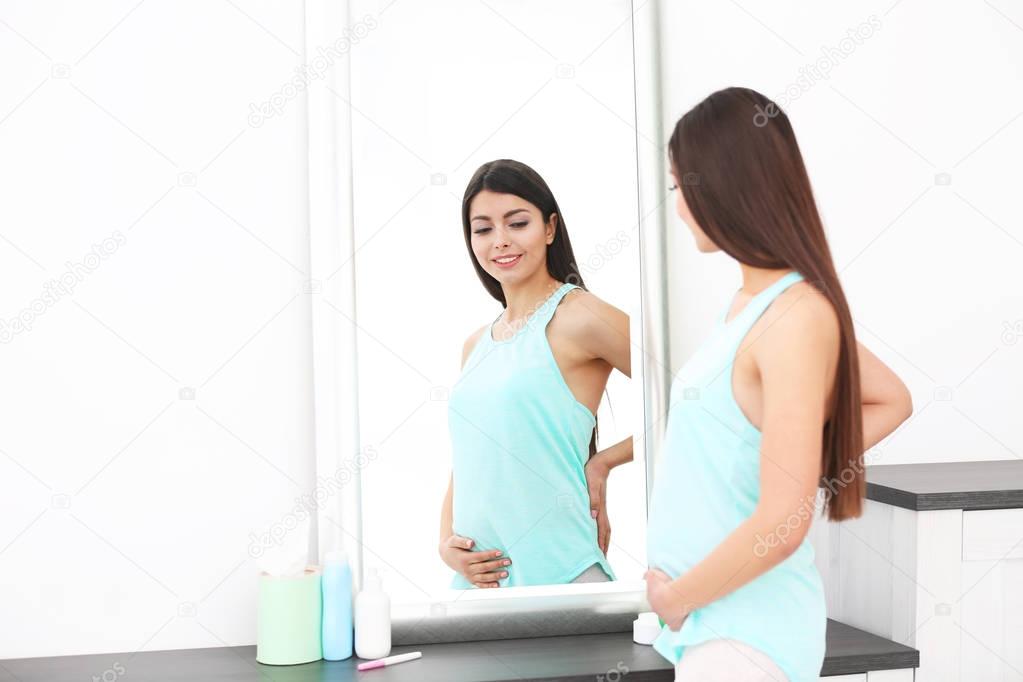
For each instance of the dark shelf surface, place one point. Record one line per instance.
(950, 485)
(570, 658)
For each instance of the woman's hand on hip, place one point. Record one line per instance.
(596, 482)
(664, 599)
(481, 568)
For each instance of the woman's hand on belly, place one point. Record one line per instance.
(664, 599)
(482, 569)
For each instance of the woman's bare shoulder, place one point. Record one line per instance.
(597, 328)
(813, 305)
(585, 312)
(802, 315)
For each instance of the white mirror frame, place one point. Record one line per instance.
(469, 615)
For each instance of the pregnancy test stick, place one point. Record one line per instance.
(390, 660)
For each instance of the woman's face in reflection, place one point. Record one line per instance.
(703, 242)
(509, 228)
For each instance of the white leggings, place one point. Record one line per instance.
(726, 660)
(593, 574)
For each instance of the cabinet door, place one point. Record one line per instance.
(992, 620)
(993, 535)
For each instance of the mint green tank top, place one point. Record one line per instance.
(706, 484)
(520, 440)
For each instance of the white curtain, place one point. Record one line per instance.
(333, 473)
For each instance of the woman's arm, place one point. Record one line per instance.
(446, 529)
(603, 332)
(445, 510)
(797, 358)
(597, 470)
(886, 400)
(617, 454)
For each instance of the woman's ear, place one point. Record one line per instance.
(552, 224)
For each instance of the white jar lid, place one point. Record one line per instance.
(646, 628)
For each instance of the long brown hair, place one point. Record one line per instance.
(744, 181)
(508, 176)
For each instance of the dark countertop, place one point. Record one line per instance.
(949, 485)
(570, 658)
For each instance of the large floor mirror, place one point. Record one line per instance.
(450, 87)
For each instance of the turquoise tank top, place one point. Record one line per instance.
(520, 440)
(706, 484)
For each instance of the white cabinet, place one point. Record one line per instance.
(947, 582)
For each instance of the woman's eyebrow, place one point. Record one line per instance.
(511, 212)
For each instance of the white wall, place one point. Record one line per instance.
(126, 511)
(930, 269)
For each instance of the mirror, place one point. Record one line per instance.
(436, 95)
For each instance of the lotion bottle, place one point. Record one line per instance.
(337, 607)
(372, 619)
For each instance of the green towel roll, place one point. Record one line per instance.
(288, 618)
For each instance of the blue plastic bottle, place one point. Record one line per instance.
(337, 632)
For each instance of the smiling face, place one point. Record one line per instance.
(509, 236)
(703, 242)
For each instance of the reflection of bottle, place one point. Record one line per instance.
(372, 619)
(337, 607)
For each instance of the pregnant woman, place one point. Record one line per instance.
(779, 400)
(525, 503)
